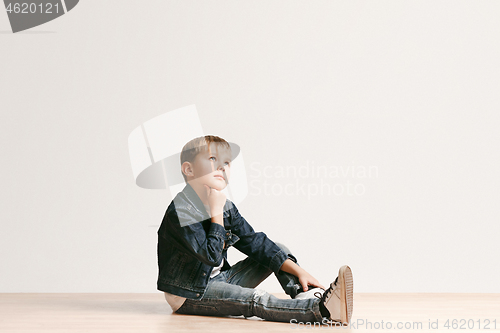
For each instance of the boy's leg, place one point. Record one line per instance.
(249, 273)
(225, 299)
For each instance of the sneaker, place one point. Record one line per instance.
(337, 299)
(311, 293)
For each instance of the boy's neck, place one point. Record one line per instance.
(200, 190)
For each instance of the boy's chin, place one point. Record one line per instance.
(217, 185)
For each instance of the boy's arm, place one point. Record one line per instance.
(219, 220)
(305, 278)
(191, 236)
(260, 248)
(256, 245)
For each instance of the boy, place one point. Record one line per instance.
(201, 224)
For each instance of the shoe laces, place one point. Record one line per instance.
(327, 292)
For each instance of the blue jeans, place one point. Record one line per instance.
(232, 293)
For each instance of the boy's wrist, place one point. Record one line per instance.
(216, 212)
(217, 219)
(290, 267)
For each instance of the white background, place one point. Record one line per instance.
(409, 87)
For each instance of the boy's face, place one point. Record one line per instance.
(212, 167)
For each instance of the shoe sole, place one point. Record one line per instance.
(346, 294)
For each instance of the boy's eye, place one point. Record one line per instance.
(213, 158)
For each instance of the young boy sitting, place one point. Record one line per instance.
(200, 224)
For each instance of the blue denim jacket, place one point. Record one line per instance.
(190, 245)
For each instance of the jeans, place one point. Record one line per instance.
(232, 293)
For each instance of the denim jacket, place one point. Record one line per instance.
(190, 245)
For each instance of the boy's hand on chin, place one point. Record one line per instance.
(216, 200)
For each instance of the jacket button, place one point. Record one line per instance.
(203, 273)
(197, 295)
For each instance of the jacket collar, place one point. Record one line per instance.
(194, 199)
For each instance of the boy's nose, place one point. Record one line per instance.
(217, 167)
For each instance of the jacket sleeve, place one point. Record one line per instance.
(192, 237)
(256, 245)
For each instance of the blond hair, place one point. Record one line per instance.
(198, 145)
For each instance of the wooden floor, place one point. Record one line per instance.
(150, 313)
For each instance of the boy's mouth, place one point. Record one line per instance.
(220, 177)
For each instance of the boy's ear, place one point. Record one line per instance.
(187, 169)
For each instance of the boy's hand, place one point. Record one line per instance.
(307, 279)
(216, 200)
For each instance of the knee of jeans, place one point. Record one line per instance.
(260, 296)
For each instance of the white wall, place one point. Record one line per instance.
(408, 88)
